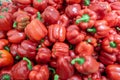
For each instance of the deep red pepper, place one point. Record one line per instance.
(115, 5)
(56, 33)
(111, 44)
(73, 1)
(60, 49)
(73, 35)
(86, 18)
(113, 71)
(43, 55)
(64, 69)
(85, 64)
(15, 36)
(27, 48)
(75, 77)
(21, 70)
(3, 43)
(39, 73)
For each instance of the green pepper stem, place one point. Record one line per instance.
(93, 30)
(0, 54)
(89, 78)
(15, 24)
(1, 16)
(113, 44)
(17, 57)
(7, 48)
(84, 18)
(39, 16)
(52, 69)
(78, 60)
(29, 63)
(89, 40)
(56, 77)
(86, 2)
(6, 77)
(39, 0)
(4, 9)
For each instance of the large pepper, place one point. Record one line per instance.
(56, 33)
(64, 69)
(39, 73)
(85, 64)
(74, 36)
(6, 58)
(113, 71)
(40, 4)
(43, 55)
(15, 36)
(100, 29)
(107, 58)
(86, 18)
(27, 48)
(50, 15)
(5, 21)
(3, 43)
(111, 44)
(36, 30)
(84, 48)
(72, 10)
(60, 49)
(21, 70)
(5, 73)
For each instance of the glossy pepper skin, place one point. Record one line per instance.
(60, 49)
(6, 59)
(5, 73)
(100, 29)
(113, 71)
(27, 48)
(43, 55)
(40, 4)
(21, 70)
(5, 21)
(3, 43)
(111, 44)
(86, 19)
(64, 69)
(48, 16)
(56, 33)
(72, 10)
(85, 64)
(73, 34)
(73, 1)
(75, 77)
(15, 36)
(107, 58)
(84, 48)
(36, 30)
(115, 5)
(39, 72)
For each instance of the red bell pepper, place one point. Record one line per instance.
(75, 77)
(48, 16)
(60, 49)
(2, 34)
(84, 48)
(5, 21)
(40, 4)
(72, 11)
(21, 70)
(15, 36)
(64, 69)
(3, 43)
(111, 44)
(27, 48)
(86, 18)
(63, 20)
(39, 73)
(43, 55)
(5, 73)
(72, 54)
(56, 33)
(73, 1)
(107, 58)
(115, 5)
(85, 64)
(113, 71)
(73, 35)
(6, 59)
(100, 29)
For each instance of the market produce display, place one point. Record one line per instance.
(59, 39)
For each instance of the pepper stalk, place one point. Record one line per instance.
(29, 65)
(78, 60)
